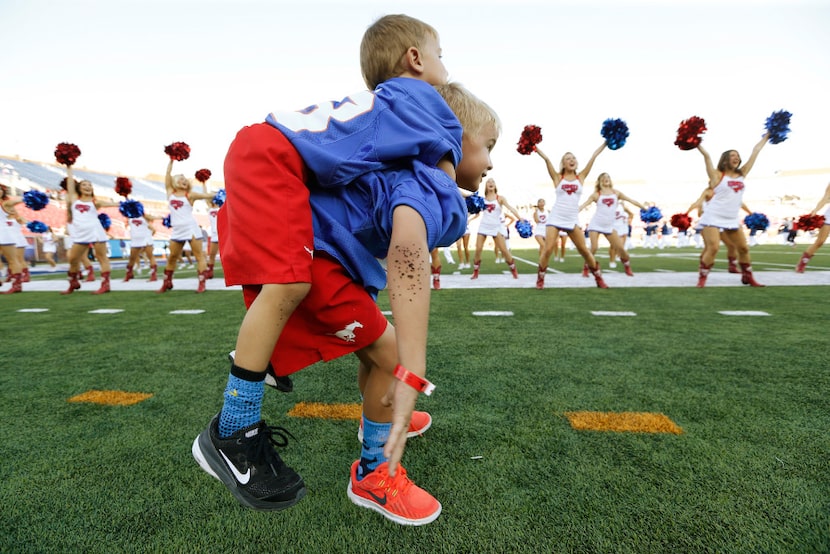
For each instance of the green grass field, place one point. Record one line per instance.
(749, 473)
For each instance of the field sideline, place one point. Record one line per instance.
(739, 377)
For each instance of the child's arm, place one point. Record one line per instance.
(409, 291)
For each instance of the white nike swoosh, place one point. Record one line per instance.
(309, 250)
(243, 478)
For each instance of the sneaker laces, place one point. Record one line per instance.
(400, 482)
(263, 446)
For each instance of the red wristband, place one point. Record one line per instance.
(418, 383)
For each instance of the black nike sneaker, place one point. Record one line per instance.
(248, 465)
(282, 384)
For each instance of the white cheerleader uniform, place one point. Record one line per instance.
(565, 212)
(621, 221)
(184, 224)
(86, 227)
(827, 216)
(48, 242)
(605, 214)
(214, 232)
(539, 229)
(490, 224)
(7, 221)
(140, 233)
(724, 207)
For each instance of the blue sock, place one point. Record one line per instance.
(374, 439)
(243, 401)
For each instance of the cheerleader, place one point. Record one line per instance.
(141, 242)
(213, 242)
(607, 199)
(490, 226)
(9, 239)
(622, 224)
(731, 247)
(822, 233)
(540, 219)
(564, 216)
(87, 231)
(721, 216)
(49, 245)
(185, 228)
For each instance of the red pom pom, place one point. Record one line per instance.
(67, 153)
(688, 134)
(203, 175)
(63, 183)
(123, 186)
(531, 136)
(681, 221)
(809, 222)
(177, 151)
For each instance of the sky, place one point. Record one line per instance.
(123, 78)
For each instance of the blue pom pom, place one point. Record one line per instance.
(614, 131)
(525, 228)
(166, 221)
(778, 126)
(475, 203)
(35, 200)
(219, 197)
(651, 215)
(131, 208)
(756, 222)
(105, 220)
(37, 227)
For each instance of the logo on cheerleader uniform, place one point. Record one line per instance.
(570, 188)
(347, 332)
(176, 204)
(608, 201)
(83, 208)
(736, 186)
(136, 222)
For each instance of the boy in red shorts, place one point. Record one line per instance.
(280, 264)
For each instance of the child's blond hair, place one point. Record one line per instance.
(384, 44)
(473, 113)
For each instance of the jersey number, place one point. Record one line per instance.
(316, 118)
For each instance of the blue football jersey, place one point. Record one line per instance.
(354, 224)
(403, 119)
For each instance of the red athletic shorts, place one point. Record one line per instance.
(336, 318)
(265, 231)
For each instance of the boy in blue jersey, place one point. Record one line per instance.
(263, 169)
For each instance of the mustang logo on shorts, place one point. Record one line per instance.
(347, 332)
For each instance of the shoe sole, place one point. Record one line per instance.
(409, 434)
(214, 467)
(365, 503)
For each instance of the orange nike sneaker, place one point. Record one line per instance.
(395, 498)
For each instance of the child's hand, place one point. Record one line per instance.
(403, 399)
